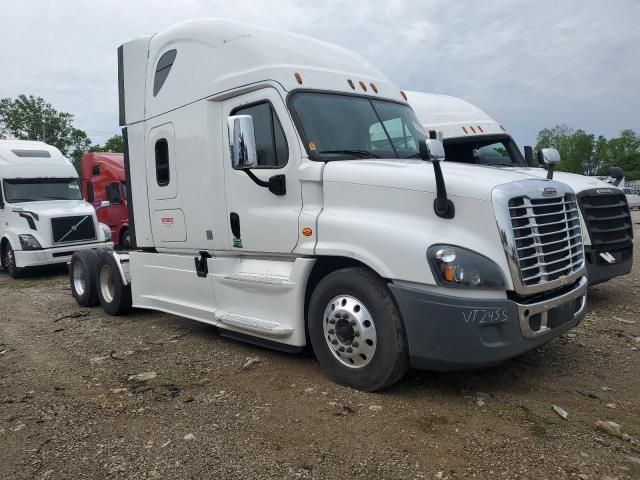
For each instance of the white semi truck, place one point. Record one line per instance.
(282, 189)
(471, 136)
(43, 218)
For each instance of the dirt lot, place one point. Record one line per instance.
(69, 409)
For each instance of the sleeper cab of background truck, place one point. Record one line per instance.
(103, 179)
(378, 212)
(35, 229)
(607, 226)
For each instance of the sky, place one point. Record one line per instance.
(530, 64)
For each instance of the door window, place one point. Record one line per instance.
(113, 193)
(271, 143)
(90, 195)
(162, 162)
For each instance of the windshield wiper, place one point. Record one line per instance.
(414, 155)
(20, 200)
(360, 153)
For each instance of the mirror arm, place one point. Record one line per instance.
(550, 171)
(256, 180)
(441, 205)
(276, 184)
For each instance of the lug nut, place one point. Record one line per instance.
(356, 333)
(349, 350)
(331, 331)
(332, 321)
(355, 344)
(352, 323)
(341, 349)
(334, 341)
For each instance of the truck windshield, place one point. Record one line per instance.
(340, 127)
(490, 150)
(20, 190)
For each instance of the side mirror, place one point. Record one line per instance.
(528, 155)
(550, 156)
(103, 204)
(616, 172)
(432, 149)
(242, 142)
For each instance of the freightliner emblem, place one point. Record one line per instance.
(548, 191)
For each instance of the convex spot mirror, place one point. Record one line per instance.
(432, 149)
(550, 156)
(242, 142)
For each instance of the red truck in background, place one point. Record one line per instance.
(103, 178)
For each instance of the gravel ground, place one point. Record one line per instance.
(71, 405)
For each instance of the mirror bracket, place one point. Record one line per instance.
(433, 150)
(276, 184)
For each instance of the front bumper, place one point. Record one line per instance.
(600, 270)
(51, 256)
(451, 333)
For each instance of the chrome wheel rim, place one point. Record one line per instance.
(78, 278)
(107, 288)
(10, 259)
(350, 331)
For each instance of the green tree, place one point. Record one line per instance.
(32, 118)
(114, 144)
(583, 153)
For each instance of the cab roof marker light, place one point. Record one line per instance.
(480, 128)
(465, 130)
(363, 85)
(404, 95)
(472, 129)
(298, 78)
(502, 128)
(350, 82)
(373, 87)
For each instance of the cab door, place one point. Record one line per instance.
(259, 220)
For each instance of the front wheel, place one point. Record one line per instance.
(9, 262)
(114, 296)
(356, 330)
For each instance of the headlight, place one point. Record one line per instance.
(106, 230)
(458, 267)
(29, 242)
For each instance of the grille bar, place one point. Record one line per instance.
(548, 238)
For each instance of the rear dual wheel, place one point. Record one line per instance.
(356, 330)
(113, 294)
(95, 279)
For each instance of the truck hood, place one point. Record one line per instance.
(461, 180)
(55, 208)
(578, 183)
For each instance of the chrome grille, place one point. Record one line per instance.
(548, 241)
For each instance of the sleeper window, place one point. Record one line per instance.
(271, 143)
(162, 162)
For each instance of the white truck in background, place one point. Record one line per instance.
(282, 189)
(43, 218)
(471, 136)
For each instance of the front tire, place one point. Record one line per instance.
(125, 240)
(9, 262)
(82, 277)
(114, 296)
(356, 330)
